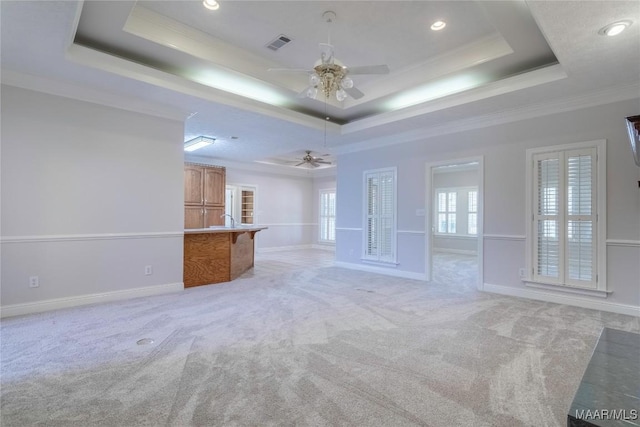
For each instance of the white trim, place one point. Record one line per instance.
(455, 236)
(624, 243)
(410, 232)
(542, 75)
(542, 109)
(599, 304)
(85, 237)
(381, 270)
(348, 229)
(92, 95)
(568, 289)
(455, 251)
(383, 264)
(59, 303)
(515, 237)
(330, 247)
(283, 248)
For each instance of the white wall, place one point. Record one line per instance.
(503, 148)
(90, 196)
(284, 203)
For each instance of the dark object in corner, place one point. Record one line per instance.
(633, 126)
(608, 395)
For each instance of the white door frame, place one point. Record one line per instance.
(429, 197)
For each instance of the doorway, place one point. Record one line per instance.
(454, 221)
(240, 203)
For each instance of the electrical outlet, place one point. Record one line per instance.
(34, 282)
(148, 270)
(521, 272)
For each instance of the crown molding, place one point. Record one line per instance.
(587, 100)
(527, 80)
(83, 93)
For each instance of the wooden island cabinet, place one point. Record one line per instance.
(204, 192)
(216, 255)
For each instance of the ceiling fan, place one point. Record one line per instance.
(330, 75)
(312, 161)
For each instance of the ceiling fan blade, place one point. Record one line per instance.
(314, 164)
(300, 164)
(355, 93)
(324, 162)
(369, 69)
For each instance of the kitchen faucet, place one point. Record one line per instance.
(233, 221)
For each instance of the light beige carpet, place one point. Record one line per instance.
(300, 343)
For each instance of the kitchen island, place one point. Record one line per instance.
(217, 254)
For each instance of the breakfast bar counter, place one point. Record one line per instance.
(217, 254)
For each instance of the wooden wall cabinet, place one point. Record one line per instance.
(204, 192)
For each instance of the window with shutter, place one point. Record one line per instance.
(566, 240)
(472, 218)
(327, 216)
(456, 211)
(380, 215)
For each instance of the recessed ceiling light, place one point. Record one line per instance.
(438, 25)
(211, 4)
(614, 29)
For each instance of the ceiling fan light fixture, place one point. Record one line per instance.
(347, 83)
(211, 4)
(341, 95)
(198, 143)
(438, 25)
(614, 28)
(314, 80)
(312, 92)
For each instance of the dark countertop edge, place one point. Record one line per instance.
(223, 230)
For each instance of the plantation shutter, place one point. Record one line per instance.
(581, 219)
(327, 216)
(547, 218)
(380, 218)
(564, 218)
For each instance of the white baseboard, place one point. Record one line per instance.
(58, 303)
(382, 270)
(283, 248)
(330, 248)
(455, 251)
(630, 310)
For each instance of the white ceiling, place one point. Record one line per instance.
(495, 61)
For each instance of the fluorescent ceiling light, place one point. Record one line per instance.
(197, 143)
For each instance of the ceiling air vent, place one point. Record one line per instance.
(279, 41)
